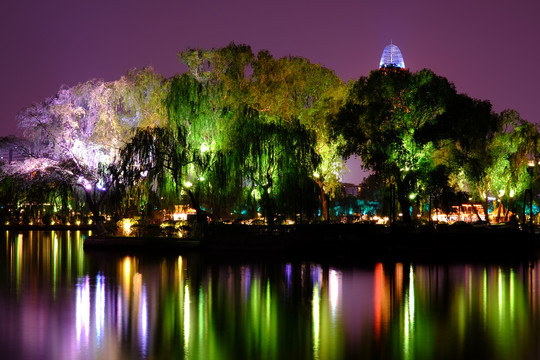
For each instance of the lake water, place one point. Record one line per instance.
(58, 302)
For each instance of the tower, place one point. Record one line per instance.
(391, 57)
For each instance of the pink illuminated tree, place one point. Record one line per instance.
(79, 131)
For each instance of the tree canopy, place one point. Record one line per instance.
(247, 133)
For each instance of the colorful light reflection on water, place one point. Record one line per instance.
(56, 302)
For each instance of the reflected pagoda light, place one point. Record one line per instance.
(391, 57)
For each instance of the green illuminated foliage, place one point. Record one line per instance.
(491, 160)
(245, 117)
(386, 121)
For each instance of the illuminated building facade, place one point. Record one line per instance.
(391, 57)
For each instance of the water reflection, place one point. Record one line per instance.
(58, 302)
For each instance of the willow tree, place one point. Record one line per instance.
(80, 130)
(196, 105)
(292, 89)
(154, 163)
(245, 87)
(276, 160)
(384, 120)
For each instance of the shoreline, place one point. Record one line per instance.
(327, 241)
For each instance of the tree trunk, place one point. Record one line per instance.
(201, 223)
(96, 218)
(269, 211)
(324, 201)
(498, 219)
(476, 212)
(405, 205)
(486, 208)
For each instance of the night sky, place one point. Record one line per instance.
(487, 48)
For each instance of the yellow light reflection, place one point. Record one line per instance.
(484, 300)
(180, 267)
(500, 293)
(18, 261)
(126, 267)
(186, 321)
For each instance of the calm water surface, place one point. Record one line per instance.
(58, 302)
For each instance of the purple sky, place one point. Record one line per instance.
(487, 48)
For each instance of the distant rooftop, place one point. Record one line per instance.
(391, 57)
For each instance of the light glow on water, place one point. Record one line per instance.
(143, 322)
(409, 317)
(316, 303)
(82, 311)
(334, 290)
(100, 309)
(192, 306)
(186, 322)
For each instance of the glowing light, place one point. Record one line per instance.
(181, 216)
(180, 266)
(378, 295)
(85, 183)
(82, 309)
(316, 321)
(334, 289)
(143, 326)
(126, 225)
(126, 276)
(288, 274)
(188, 184)
(316, 174)
(100, 186)
(144, 173)
(392, 56)
(411, 294)
(245, 278)
(409, 317)
(100, 307)
(512, 193)
(204, 148)
(127, 265)
(186, 321)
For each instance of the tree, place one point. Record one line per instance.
(80, 130)
(293, 89)
(238, 96)
(384, 121)
(491, 157)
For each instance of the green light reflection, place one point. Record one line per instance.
(191, 307)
